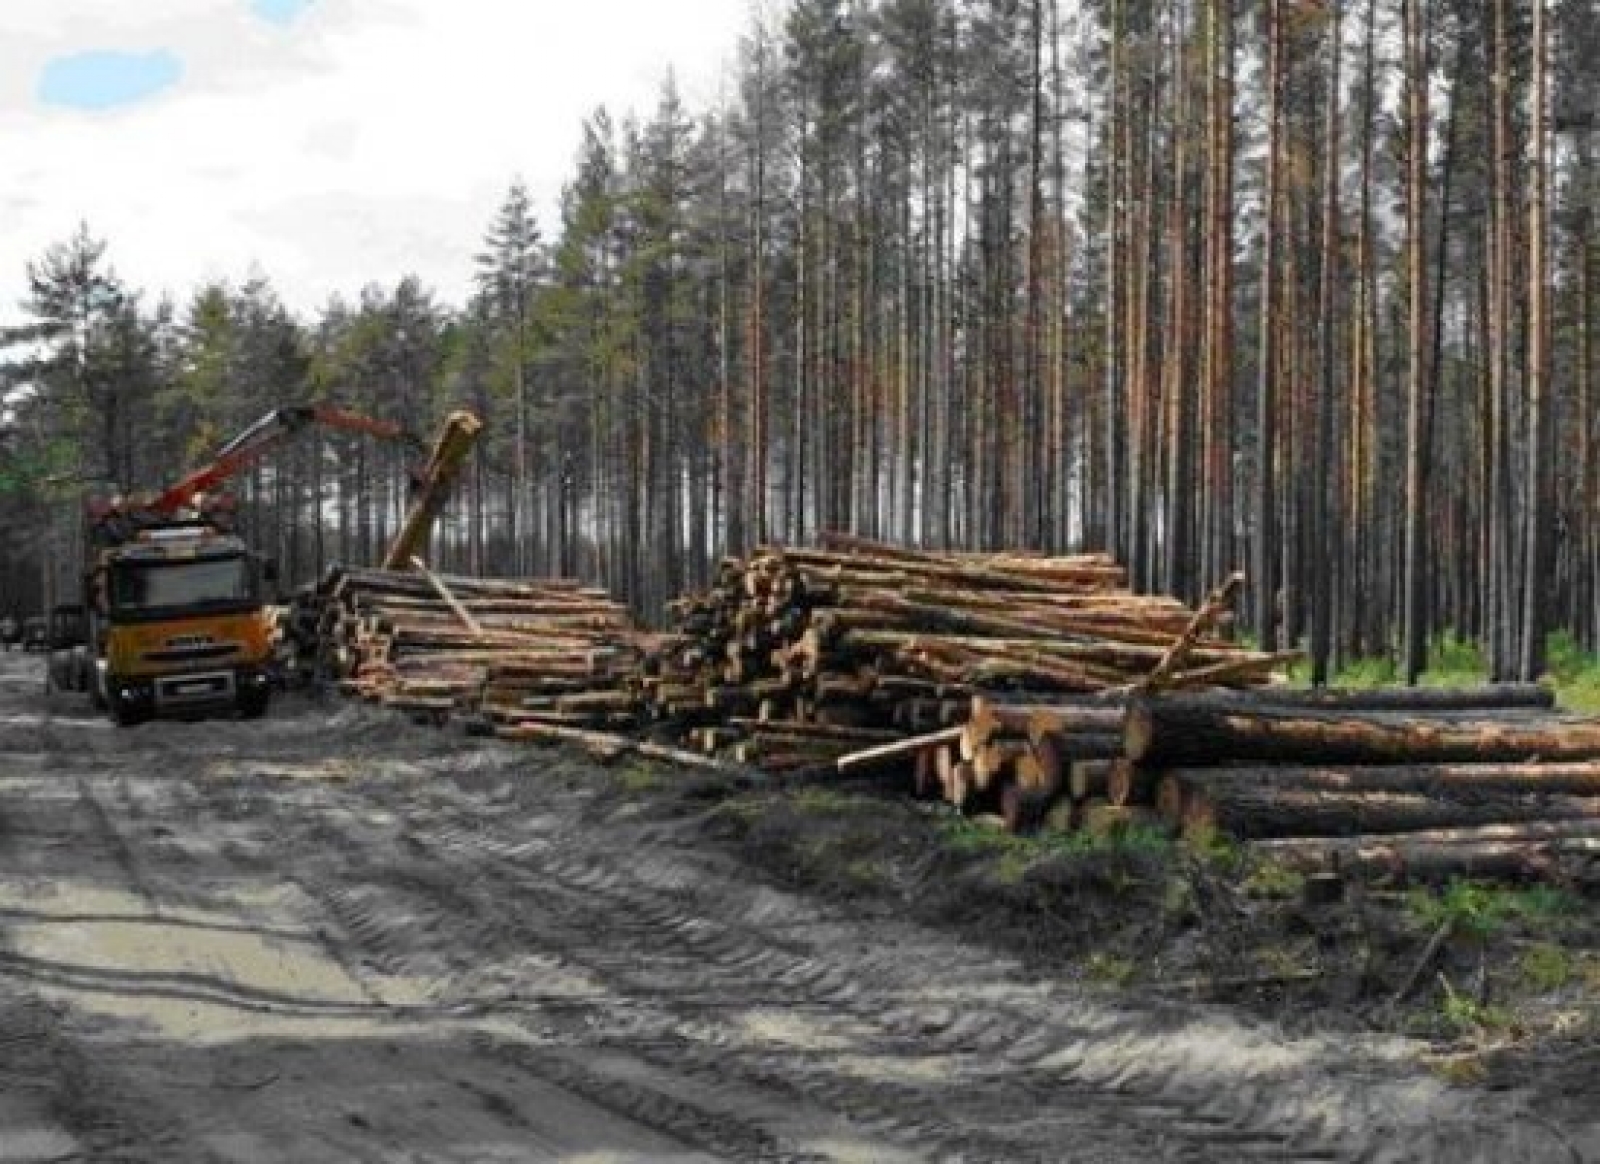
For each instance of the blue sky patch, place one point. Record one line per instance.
(107, 79)
(284, 12)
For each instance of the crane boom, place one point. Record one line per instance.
(243, 450)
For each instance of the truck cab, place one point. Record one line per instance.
(178, 624)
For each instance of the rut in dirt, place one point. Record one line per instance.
(333, 936)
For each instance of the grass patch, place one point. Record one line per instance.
(1454, 661)
(639, 777)
(1363, 674)
(825, 801)
(1274, 880)
(1468, 907)
(1110, 969)
(1463, 1070)
(1215, 849)
(1466, 1015)
(974, 838)
(1546, 966)
(1574, 672)
(1478, 910)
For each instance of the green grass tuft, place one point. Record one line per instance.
(1274, 880)
(1478, 910)
(1546, 966)
(1111, 969)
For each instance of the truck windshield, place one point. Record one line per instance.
(164, 585)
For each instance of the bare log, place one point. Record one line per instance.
(1170, 733)
(1251, 810)
(900, 750)
(1568, 779)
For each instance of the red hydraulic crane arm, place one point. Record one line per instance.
(272, 429)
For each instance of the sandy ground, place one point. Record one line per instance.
(332, 936)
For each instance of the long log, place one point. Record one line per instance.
(607, 745)
(1569, 779)
(1171, 733)
(1488, 697)
(1251, 811)
(1513, 850)
(893, 753)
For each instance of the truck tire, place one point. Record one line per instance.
(254, 704)
(126, 714)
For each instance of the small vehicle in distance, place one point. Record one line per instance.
(70, 666)
(36, 634)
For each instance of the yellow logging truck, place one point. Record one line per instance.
(178, 605)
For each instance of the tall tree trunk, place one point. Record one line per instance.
(1415, 617)
(1536, 563)
(1324, 534)
(1264, 583)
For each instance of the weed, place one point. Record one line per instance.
(1215, 849)
(1178, 900)
(1282, 961)
(1574, 672)
(1463, 1070)
(1546, 967)
(865, 872)
(1012, 865)
(973, 839)
(1143, 840)
(1454, 661)
(1589, 972)
(1363, 673)
(1274, 879)
(821, 800)
(1543, 903)
(746, 809)
(1467, 1015)
(1581, 693)
(1111, 969)
(638, 777)
(1470, 908)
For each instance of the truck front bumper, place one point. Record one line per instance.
(193, 691)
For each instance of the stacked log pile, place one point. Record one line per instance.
(515, 651)
(1420, 784)
(798, 657)
(1416, 783)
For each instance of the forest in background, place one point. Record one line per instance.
(1301, 286)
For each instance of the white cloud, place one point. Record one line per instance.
(369, 139)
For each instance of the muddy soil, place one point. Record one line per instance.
(334, 936)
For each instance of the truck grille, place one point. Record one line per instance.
(191, 654)
(210, 687)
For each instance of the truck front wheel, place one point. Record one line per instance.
(126, 713)
(253, 702)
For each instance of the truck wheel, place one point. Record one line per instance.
(127, 714)
(254, 704)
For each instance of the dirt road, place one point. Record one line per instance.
(331, 936)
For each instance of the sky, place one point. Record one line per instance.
(323, 144)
